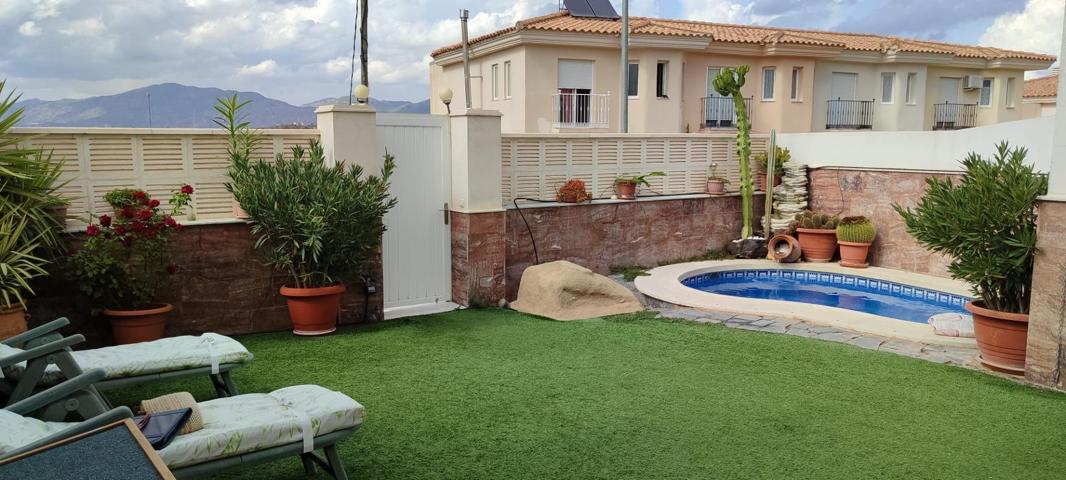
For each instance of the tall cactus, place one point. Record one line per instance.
(727, 84)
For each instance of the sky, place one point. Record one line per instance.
(300, 50)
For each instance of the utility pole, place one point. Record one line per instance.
(464, 16)
(624, 67)
(149, 95)
(363, 41)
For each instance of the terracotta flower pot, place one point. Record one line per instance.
(715, 187)
(573, 197)
(853, 254)
(758, 181)
(313, 311)
(1001, 337)
(626, 190)
(135, 326)
(12, 322)
(784, 249)
(818, 245)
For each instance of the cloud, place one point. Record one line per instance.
(265, 68)
(29, 29)
(718, 11)
(935, 20)
(89, 27)
(1037, 28)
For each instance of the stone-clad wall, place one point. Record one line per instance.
(1045, 361)
(220, 287)
(871, 193)
(599, 236)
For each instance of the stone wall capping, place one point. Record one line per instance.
(523, 205)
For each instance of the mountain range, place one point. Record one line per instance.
(176, 105)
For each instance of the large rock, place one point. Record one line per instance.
(564, 291)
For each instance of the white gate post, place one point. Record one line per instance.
(349, 134)
(478, 219)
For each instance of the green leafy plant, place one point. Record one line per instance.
(316, 223)
(857, 229)
(126, 257)
(728, 83)
(816, 221)
(242, 140)
(986, 223)
(781, 157)
(713, 174)
(29, 197)
(638, 179)
(629, 272)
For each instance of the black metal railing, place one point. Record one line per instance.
(850, 114)
(721, 112)
(953, 116)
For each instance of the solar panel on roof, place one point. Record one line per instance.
(579, 8)
(603, 9)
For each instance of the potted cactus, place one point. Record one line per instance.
(817, 235)
(855, 235)
(715, 183)
(626, 186)
(762, 160)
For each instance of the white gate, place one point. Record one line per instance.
(416, 251)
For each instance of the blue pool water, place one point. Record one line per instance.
(879, 297)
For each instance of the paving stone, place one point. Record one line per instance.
(747, 317)
(776, 327)
(837, 336)
(868, 341)
(708, 320)
(902, 347)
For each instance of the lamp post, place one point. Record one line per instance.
(362, 93)
(446, 97)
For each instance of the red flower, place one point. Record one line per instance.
(127, 212)
(120, 230)
(172, 269)
(92, 230)
(170, 222)
(150, 234)
(187, 189)
(105, 220)
(154, 203)
(127, 241)
(139, 195)
(145, 214)
(137, 226)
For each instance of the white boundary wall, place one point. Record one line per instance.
(928, 150)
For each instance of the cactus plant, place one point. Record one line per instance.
(856, 229)
(816, 221)
(728, 83)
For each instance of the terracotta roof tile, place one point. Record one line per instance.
(751, 34)
(1041, 87)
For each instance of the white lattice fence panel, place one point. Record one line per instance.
(97, 160)
(534, 165)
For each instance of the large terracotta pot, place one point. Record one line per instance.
(759, 181)
(715, 187)
(817, 244)
(1001, 337)
(626, 190)
(313, 311)
(135, 326)
(853, 254)
(12, 322)
(784, 249)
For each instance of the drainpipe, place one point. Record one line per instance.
(624, 94)
(464, 15)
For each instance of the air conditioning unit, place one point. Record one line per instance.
(971, 82)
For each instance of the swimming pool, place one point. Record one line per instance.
(852, 292)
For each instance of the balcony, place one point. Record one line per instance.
(953, 116)
(581, 110)
(849, 115)
(721, 112)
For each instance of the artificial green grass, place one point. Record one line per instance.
(496, 394)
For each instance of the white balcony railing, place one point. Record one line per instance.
(581, 110)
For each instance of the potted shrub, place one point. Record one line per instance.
(626, 186)
(986, 223)
(29, 222)
(855, 235)
(126, 259)
(242, 140)
(817, 234)
(762, 161)
(715, 183)
(316, 224)
(573, 191)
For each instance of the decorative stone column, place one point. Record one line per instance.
(1045, 360)
(349, 134)
(478, 219)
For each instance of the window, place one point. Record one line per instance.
(912, 88)
(1010, 92)
(768, 83)
(794, 93)
(634, 75)
(507, 79)
(660, 79)
(986, 92)
(888, 84)
(495, 81)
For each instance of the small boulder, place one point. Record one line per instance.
(561, 290)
